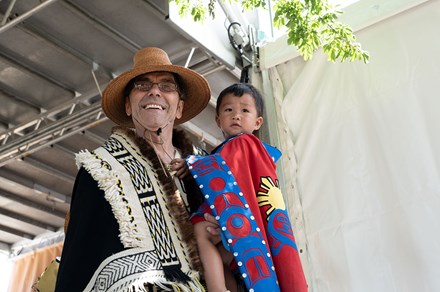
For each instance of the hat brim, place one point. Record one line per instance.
(195, 86)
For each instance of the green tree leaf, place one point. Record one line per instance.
(310, 24)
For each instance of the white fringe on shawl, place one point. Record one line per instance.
(109, 182)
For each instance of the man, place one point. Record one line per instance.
(129, 225)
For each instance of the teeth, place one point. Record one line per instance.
(155, 106)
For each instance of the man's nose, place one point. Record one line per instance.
(155, 89)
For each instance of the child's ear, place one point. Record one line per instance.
(258, 123)
(217, 120)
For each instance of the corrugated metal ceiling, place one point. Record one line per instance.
(55, 57)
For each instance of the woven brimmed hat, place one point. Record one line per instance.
(195, 86)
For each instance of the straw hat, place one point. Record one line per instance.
(195, 86)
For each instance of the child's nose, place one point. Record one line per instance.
(236, 116)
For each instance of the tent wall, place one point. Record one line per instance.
(361, 161)
(29, 267)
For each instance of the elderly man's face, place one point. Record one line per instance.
(154, 107)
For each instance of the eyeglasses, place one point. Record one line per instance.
(164, 86)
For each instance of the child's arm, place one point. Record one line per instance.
(216, 268)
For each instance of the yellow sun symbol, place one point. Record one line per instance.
(270, 195)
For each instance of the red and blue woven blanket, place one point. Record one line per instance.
(241, 188)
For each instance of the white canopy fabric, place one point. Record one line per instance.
(361, 162)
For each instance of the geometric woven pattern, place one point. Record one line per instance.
(139, 176)
(160, 235)
(124, 267)
(154, 216)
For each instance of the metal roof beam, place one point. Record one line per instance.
(103, 27)
(16, 232)
(64, 149)
(72, 118)
(53, 172)
(94, 137)
(23, 185)
(52, 195)
(31, 204)
(26, 219)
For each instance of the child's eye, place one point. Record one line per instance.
(228, 109)
(245, 110)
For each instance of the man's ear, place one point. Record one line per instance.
(258, 123)
(127, 106)
(179, 110)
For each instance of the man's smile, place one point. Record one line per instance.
(153, 106)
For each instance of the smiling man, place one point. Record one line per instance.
(129, 225)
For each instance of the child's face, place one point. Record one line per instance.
(238, 115)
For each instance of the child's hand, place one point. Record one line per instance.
(179, 166)
(215, 229)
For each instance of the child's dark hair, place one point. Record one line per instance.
(238, 89)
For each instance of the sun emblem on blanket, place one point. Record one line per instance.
(270, 195)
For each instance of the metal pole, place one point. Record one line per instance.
(8, 12)
(28, 14)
